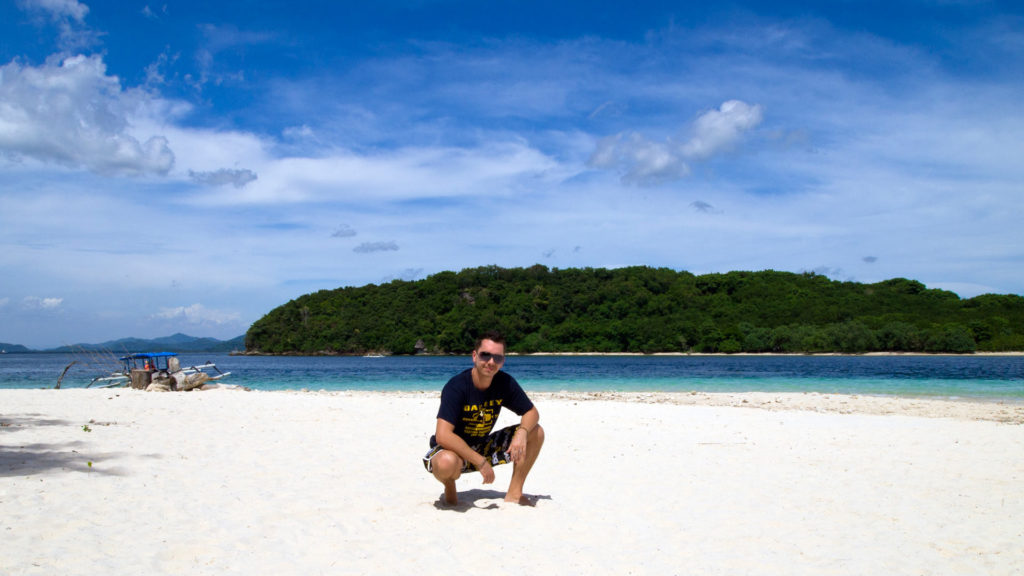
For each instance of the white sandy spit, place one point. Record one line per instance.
(233, 482)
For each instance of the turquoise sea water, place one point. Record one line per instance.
(970, 377)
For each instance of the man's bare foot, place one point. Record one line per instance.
(522, 500)
(451, 495)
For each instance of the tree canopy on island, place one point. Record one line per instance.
(639, 309)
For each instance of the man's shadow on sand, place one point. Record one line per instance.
(481, 499)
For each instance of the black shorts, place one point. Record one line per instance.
(494, 447)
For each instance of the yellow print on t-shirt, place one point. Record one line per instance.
(479, 418)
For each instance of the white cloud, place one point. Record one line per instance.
(205, 150)
(37, 303)
(70, 112)
(644, 161)
(718, 130)
(197, 314)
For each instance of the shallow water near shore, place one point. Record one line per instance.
(999, 378)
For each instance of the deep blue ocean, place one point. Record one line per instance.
(968, 377)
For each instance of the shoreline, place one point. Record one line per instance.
(1001, 410)
(679, 354)
(980, 410)
(829, 403)
(770, 354)
(774, 354)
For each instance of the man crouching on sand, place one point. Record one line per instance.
(470, 403)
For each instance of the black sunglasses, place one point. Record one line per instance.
(486, 357)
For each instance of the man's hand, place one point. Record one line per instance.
(487, 472)
(517, 448)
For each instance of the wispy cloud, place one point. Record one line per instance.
(68, 16)
(501, 167)
(223, 40)
(197, 314)
(69, 9)
(152, 14)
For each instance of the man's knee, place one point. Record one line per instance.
(446, 465)
(536, 436)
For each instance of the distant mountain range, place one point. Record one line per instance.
(13, 348)
(175, 343)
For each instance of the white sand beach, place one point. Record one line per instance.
(232, 482)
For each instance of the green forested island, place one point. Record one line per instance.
(639, 309)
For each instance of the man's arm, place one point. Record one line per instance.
(530, 419)
(445, 436)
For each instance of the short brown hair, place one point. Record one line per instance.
(492, 335)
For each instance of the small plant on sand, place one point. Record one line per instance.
(86, 428)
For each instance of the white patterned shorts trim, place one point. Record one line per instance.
(494, 447)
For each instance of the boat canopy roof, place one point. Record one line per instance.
(143, 355)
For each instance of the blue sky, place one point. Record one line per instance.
(188, 166)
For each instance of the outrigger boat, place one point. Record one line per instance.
(163, 364)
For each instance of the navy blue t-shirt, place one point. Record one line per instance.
(473, 411)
